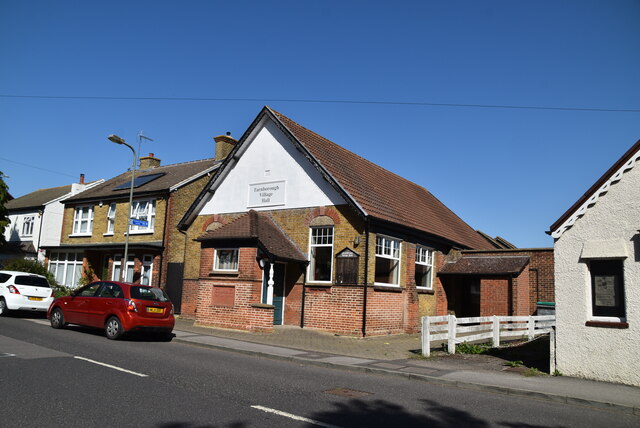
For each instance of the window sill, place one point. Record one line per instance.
(425, 291)
(107, 234)
(139, 232)
(80, 235)
(224, 273)
(318, 285)
(390, 288)
(262, 306)
(607, 324)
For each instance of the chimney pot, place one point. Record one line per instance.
(81, 178)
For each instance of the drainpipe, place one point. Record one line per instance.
(304, 295)
(41, 215)
(366, 277)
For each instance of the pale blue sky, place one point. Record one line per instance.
(507, 172)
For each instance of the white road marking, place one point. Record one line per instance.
(111, 367)
(294, 417)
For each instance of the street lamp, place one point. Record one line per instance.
(123, 263)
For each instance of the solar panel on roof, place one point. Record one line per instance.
(139, 181)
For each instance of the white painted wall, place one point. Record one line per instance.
(271, 157)
(606, 354)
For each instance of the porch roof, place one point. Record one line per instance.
(489, 265)
(260, 228)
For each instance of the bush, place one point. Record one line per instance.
(34, 266)
(471, 348)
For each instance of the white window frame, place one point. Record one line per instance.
(424, 257)
(216, 260)
(149, 215)
(389, 255)
(27, 225)
(312, 245)
(590, 306)
(147, 266)
(61, 260)
(78, 220)
(117, 262)
(111, 218)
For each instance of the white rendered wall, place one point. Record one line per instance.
(13, 231)
(607, 354)
(271, 157)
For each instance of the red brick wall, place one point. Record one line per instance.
(337, 309)
(540, 273)
(494, 296)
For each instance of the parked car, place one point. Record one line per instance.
(116, 307)
(24, 291)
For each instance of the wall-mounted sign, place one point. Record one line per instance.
(141, 223)
(266, 194)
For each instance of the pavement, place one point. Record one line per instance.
(399, 355)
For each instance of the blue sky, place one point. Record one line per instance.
(508, 172)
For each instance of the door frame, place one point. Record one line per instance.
(265, 278)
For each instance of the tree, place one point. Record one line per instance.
(4, 198)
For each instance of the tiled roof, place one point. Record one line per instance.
(173, 174)
(37, 198)
(383, 194)
(259, 227)
(487, 265)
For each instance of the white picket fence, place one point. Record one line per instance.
(457, 330)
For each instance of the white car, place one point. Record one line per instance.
(24, 291)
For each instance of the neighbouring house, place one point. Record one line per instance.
(597, 273)
(36, 220)
(294, 229)
(96, 220)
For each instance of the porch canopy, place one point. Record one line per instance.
(256, 229)
(486, 265)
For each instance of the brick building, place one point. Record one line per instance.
(95, 221)
(503, 281)
(293, 229)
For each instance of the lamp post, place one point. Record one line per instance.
(123, 262)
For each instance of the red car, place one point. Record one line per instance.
(117, 307)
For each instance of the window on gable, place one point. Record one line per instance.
(27, 225)
(424, 267)
(607, 288)
(226, 259)
(111, 217)
(321, 254)
(387, 261)
(144, 210)
(83, 220)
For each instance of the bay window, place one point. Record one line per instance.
(66, 268)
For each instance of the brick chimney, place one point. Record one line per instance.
(224, 145)
(149, 162)
(81, 179)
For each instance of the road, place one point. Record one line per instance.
(77, 377)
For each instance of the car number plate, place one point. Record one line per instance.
(37, 299)
(155, 310)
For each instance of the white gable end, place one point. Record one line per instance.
(271, 174)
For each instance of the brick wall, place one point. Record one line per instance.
(540, 272)
(336, 308)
